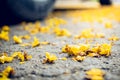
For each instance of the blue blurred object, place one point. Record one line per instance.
(31, 9)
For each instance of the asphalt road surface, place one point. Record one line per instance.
(62, 69)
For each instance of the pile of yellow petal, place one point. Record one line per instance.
(103, 49)
(52, 25)
(50, 58)
(108, 25)
(25, 37)
(61, 32)
(45, 29)
(36, 27)
(55, 22)
(100, 15)
(75, 49)
(79, 52)
(8, 72)
(4, 58)
(95, 74)
(21, 56)
(4, 33)
(18, 39)
(88, 33)
(113, 38)
(36, 42)
(32, 28)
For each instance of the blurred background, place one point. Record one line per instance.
(16, 11)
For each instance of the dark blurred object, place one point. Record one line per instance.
(105, 2)
(15, 11)
(6, 16)
(31, 9)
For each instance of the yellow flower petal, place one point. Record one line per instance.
(35, 42)
(5, 28)
(17, 39)
(4, 35)
(50, 58)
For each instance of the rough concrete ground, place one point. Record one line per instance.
(62, 70)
